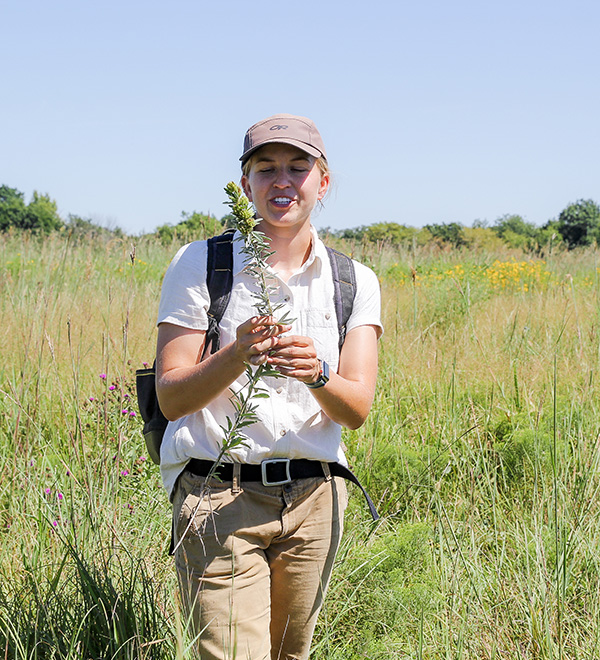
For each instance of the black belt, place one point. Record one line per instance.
(279, 471)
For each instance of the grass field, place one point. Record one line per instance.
(482, 453)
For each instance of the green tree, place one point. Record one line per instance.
(228, 221)
(481, 237)
(390, 232)
(350, 233)
(194, 226)
(84, 229)
(549, 237)
(517, 232)
(448, 234)
(42, 214)
(579, 223)
(12, 208)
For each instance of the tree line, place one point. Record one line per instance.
(577, 225)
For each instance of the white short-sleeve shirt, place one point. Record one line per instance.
(290, 421)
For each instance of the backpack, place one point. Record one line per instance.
(219, 280)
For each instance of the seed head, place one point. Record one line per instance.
(241, 209)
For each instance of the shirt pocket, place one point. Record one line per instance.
(320, 324)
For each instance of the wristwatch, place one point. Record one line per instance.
(323, 378)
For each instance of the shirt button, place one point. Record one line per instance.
(282, 432)
(286, 298)
(327, 315)
(279, 390)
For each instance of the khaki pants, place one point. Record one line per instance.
(255, 561)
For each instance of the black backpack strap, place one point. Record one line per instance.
(219, 280)
(344, 289)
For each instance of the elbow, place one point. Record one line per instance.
(168, 406)
(355, 423)
(171, 416)
(352, 414)
(353, 419)
(169, 412)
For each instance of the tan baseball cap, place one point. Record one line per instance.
(300, 132)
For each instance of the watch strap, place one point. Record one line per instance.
(323, 378)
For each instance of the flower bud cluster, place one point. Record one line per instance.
(241, 209)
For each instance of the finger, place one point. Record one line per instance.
(257, 360)
(269, 330)
(266, 345)
(286, 360)
(300, 374)
(278, 328)
(282, 351)
(258, 328)
(296, 340)
(261, 323)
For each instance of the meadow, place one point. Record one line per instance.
(481, 453)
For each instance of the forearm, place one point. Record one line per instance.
(185, 390)
(348, 395)
(185, 384)
(344, 401)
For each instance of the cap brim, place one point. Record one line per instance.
(307, 148)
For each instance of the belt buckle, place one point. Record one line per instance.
(271, 461)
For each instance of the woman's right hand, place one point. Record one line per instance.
(256, 337)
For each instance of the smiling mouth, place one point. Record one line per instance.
(281, 201)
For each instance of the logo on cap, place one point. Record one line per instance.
(278, 127)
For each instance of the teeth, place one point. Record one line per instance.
(282, 200)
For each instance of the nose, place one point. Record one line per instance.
(282, 179)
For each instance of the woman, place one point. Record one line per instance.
(254, 555)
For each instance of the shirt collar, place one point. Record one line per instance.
(318, 252)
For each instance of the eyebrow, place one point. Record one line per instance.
(266, 159)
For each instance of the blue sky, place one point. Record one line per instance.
(131, 112)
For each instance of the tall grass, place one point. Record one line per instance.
(481, 452)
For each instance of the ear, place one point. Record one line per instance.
(324, 187)
(246, 187)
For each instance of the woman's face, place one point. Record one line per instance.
(284, 184)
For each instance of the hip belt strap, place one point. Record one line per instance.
(279, 471)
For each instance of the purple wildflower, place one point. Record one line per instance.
(103, 376)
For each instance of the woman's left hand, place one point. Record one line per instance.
(296, 357)
(347, 397)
